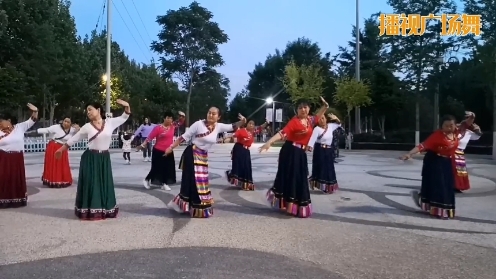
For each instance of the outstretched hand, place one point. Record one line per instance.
(405, 157)
(264, 147)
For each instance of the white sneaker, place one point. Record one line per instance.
(128, 162)
(166, 187)
(144, 159)
(148, 159)
(146, 184)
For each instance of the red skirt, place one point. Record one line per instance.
(460, 168)
(13, 191)
(57, 172)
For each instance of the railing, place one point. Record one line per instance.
(38, 144)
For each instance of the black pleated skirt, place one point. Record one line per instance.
(163, 168)
(323, 173)
(241, 174)
(291, 192)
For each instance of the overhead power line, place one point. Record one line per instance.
(131, 33)
(132, 21)
(100, 16)
(144, 26)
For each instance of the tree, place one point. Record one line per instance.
(417, 56)
(352, 93)
(266, 78)
(211, 90)
(237, 105)
(376, 68)
(3, 19)
(188, 43)
(484, 48)
(303, 82)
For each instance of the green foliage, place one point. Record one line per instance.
(188, 44)
(352, 93)
(43, 61)
(303, 82)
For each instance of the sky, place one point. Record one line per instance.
(255, 27)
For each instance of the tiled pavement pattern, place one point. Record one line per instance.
(368, 229)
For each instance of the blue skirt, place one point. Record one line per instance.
(241, 174)
(291, 192)
(323, 173)
(437, 193)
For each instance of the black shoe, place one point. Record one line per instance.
(335, 162)
(458, 191)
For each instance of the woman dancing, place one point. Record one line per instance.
(323, 173)
(241, 174)
(437, 192)
(95, 197)
(13, 190)
(163, 168)
(57, 173)
(143, 132)
(472, 132)
(290, 191)
(195, 197)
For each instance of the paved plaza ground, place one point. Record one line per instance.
(368, 229)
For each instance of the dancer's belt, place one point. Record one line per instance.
(13, 151)
(57, 141)
(445, 156)
(98, 151)
(326, 145)
(302, 146)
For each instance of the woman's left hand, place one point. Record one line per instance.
(32, 107)
(324, 102)
(76, 127)
(241, 117)
(122, 103)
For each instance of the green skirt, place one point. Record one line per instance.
(95, 198)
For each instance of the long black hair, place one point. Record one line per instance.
(149, 121)
(97, 105)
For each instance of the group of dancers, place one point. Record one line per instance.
(95, 198)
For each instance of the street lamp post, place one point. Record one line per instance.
(271, 101)
(109, 51)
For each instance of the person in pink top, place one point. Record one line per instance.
(163, 166)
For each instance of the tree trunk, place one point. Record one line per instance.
(52, 106)
(382, 122)
(494, 109)
(188, 100)
(371, 124)
(20, 115)
(417, 109)
(349, 120)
